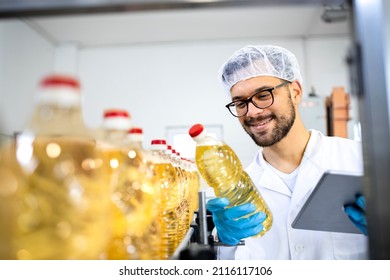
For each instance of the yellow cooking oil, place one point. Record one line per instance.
(11, 187)
(167, 177)
(194, 189)
(180, 209)
(135, 193)
(62, 211)
(222, 170)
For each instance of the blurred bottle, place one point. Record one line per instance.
(62, 203)
(167, 177)
(194, 187)
(179, 175)
(12, 187)
(116, 119)
(186, 198)
(222, 170)
(181, 209)
(111, 136)
(135, 192)
(135, 137)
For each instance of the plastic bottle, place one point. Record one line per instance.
(134, 191)
(168, 179)
(11, 188)
(222, 170)
(135, 137)
(111, 135)
(184, 194)
(62, 211)
(182, 207)
(116, 119)
(189, 194)
(181, 183)
(194, 188)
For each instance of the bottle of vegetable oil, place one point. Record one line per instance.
(134, 192)
(63, 209)
(169, 185)
(222, 170)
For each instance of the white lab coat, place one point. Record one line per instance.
(282, 241)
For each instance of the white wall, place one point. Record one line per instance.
(25, 58)
(175, 84)
(166, 84)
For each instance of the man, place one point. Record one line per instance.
(265, 85)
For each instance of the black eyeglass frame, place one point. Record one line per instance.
(250, 99)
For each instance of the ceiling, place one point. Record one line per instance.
(172, 25)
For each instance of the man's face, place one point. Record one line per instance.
(266, 126)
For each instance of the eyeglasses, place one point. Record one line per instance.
(262, 99)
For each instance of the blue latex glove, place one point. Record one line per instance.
(230, 228)
(357, 213)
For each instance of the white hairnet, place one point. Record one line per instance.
(263, 60)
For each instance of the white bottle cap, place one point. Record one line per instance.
(59, 90)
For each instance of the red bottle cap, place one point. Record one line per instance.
(135, 130)
(116, 113)
(60, 80)
(158, 142)
(159, 145)
(195, 130)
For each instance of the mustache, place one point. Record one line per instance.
(250, 120)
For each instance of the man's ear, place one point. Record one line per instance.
(296, 91)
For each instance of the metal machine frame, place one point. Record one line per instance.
(368, 80)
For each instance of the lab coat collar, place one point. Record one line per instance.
(268, 178)
(309, 171)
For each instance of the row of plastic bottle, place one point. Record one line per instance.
(67, 192)
(156, 230)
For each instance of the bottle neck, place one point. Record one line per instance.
(160, 156)
(134, 141)
(136, 144)
(207, 140)
(115, 136)
(55, 119)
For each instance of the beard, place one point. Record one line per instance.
(283, 126)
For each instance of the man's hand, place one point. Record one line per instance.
(231, 227)
(357, 213)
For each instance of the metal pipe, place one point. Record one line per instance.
(202, 218)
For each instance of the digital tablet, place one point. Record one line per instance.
(323, 210)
